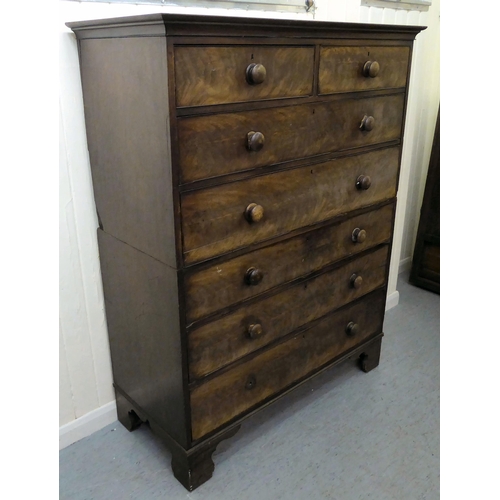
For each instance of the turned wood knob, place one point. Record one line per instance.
(253, 276)
(254, 331)
(251, 382)
(371, 69)
(363, 182)
(255, 141)
(255, 73)
(358, 235)
(367, 123)
(356, 281)
(254, 212)
(352, 328)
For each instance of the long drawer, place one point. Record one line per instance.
(248, 384)
(218, 144)
(347, 69)
(219, 219)
(209, 75)
(256, 324)
(219, 285)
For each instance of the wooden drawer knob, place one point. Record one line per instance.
(251, 382)
(254, 331)
(367, 123)
(253, 276)
(352, 329)
(255, 73)
(356, 281)
(255, 141)
(254, 212)
(358, 235)
(363, 182)
(371, 69)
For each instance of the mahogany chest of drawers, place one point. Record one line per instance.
(245, 175)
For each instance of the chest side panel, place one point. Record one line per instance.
(126, 111)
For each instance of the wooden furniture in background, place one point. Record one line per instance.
(425, 265)
(245, 175)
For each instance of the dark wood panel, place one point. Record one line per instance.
(213, 219)
(216, 75)
(341, 68)
(142, 312)
(430, 259)
(224, 340)
(425, 270)
(220, 285)
(215, 145)
(126, 113)
(224, 397)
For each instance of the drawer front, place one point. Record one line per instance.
(218, 75)
(220, 285)
(219, 144)
(231, 337)
(243, 387)
(347, 69)
(219, 219)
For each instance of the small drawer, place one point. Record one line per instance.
(219, 74)
(254, 325)
(223, 218)
(243, 387)
(349, 69)
(214, 145)
(220, 285)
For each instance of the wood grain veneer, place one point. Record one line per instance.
(341, 68)
(213, 219)
(216, 75)
(225, 339)
(214, 145)
(217, 286)
(222, 398)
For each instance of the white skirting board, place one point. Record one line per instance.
(88, 424)
(392, 300)
(405, 265)
(105, 415)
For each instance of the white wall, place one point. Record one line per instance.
(85, 386)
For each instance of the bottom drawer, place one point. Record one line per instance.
(243, 387)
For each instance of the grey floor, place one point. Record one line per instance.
(346, 435)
